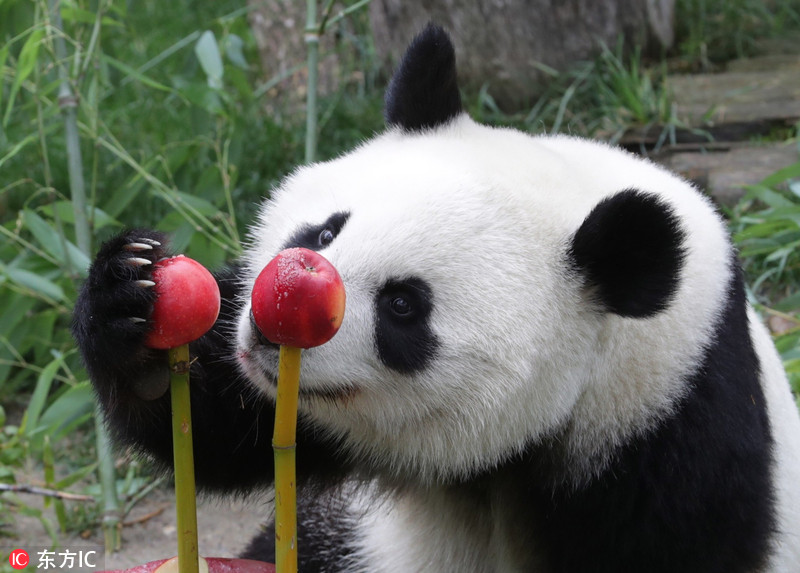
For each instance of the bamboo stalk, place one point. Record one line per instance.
(183, 455)
(312, 45)
(112, 520)
(284, 445)
(68, 104)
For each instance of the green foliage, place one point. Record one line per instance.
(604, 98)
(715, 31)
(172, 129)
(766, 225)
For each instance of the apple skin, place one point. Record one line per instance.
(186, 305)
(298, 299)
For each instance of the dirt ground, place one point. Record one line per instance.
(225, 527)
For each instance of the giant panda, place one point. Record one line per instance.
(547, 362)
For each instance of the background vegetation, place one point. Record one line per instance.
(174, 133)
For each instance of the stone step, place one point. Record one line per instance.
(723, 116)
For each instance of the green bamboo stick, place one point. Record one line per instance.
(284, 444)
(183, 455)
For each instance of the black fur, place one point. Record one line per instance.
(694, 495)
(423, 93)
(322, 524)
(233, 425)
(403, 333)
(317, 237)
(630, 249)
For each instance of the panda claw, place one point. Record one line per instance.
(152, 242)
(138, 262)
(138, 247)
(144, 283)
(136, 319)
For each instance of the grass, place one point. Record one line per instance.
(170, 110)
(766, 228)
(604, 98)
(711, 32)
(148, 138)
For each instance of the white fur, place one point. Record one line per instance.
(486, 216)
(786, 434)
(493, 213)
(448, 530)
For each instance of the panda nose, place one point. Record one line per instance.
(262, 340)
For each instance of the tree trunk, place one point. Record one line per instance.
(507, 44)
(279, 30)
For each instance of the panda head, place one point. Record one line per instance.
(502, 289)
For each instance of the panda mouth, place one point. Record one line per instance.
(339, 395)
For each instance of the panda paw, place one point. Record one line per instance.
(113, 307)
(122, 274)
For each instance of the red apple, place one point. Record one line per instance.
(186, 305)
(298, 299)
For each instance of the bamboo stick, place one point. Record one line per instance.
(284, 445)
(183, 454)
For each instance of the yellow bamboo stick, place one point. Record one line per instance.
(284, 441)
(183, 455)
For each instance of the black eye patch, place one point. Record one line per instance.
(403, 335)
(316, 237)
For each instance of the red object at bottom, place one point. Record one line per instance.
(215, 565)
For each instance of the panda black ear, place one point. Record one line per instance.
(630, 251)
(423, 92)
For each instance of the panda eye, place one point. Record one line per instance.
(317, 237)
(401, 306)
(404, 303)
(404, 338)
(326, 237)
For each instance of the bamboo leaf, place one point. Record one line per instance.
(234, 50)
(65, 212)
(74, 477)
(13, 308)
(794, 187)
(74, 14)
(74, 405)
(197, 203)
(135, 74)
(204, 97)
(767, 195)
(30, 421)
(207, 52)
(37, 283)
(51, 241)
(782, 175)
(19, 146)
(3, 57)
(25, 65)
(789, 304)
